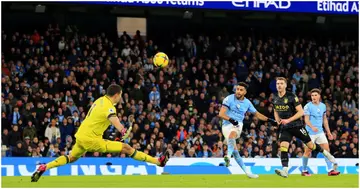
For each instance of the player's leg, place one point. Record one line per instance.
(240, 162)
(116, 147)
(306, 156)
(324, 144)
(230, 136)
(317, 148)
(76, 152)
(285, 138)
(303, 135)
(234, 134)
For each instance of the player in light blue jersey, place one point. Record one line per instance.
(233, 112)
(315, 117)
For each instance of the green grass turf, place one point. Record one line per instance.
(184, 181)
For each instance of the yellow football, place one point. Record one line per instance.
(161, 60)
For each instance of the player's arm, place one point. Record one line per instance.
(257, 114)
(116, 123)
(277, 117)
(114, 120)
(307, 114)
(299, 110)
(264, 118)
(308, 123)
(326, 126)
(222, 114)
(299, 113)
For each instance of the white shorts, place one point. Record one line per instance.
(227, 129)
(319, 138)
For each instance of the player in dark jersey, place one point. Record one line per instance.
(287, 112)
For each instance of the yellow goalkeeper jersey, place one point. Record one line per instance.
(96, 121)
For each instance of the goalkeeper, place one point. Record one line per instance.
(89, 136)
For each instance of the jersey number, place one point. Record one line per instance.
(92, 107)
(303, 131)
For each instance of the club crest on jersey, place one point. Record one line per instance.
(238, 106)
(285, 100)
(111, 110)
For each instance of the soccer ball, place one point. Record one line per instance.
(161, 60)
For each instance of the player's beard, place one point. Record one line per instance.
(239, 97)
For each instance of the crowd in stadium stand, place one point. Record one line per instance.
(50, 79)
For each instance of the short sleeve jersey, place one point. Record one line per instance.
(96, 121)
(236, 109)
(286, 107)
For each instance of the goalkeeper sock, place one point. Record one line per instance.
(141, 156)
(62, 160)
(239, 161)
(284, 157)
(231, 146)
(305, 163)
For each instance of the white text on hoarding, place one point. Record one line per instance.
(343, 6)
(262, 4)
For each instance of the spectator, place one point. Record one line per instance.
(354, 153)
(15, 136)
(19, 150)
(66, 129)
(181, 134)
(349, 104)
(29, 131)
(205, 152)
(5, 123)
(15, 116)
(52, 132)
(6, 107)
(154, 97)
(313, 82)
(191, 153)
(126, 51)
(5, 138)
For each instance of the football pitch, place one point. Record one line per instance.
(183, 181)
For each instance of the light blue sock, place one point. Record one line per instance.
(231, 146)
(239, 161)
(305, 163)
(329, 164)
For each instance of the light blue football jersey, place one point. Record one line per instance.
(316, 113)
(237, 108)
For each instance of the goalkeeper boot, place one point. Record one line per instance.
(227, 161)
(281, 173)
(36, 176)
(163, 159)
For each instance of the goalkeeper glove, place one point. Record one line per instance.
(234, 122)
(125, 133)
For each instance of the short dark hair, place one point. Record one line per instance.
(113, 89)
(243, 84)
(315, 90)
